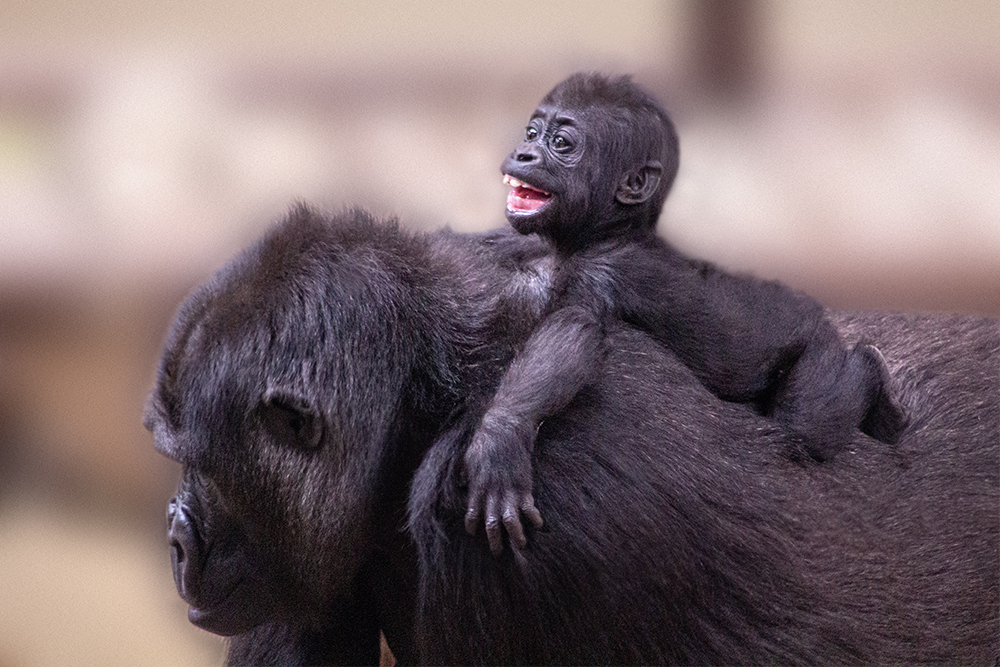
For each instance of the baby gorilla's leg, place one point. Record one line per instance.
(832, 391)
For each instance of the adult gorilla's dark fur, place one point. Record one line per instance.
(315, 393)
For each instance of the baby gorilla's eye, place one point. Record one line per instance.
(561, 143)
(530, 133)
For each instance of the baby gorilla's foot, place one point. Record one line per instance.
(498, 469)
(830, 393)
(885, 420)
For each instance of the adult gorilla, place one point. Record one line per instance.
(319, 391)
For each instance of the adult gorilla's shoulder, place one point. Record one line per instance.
(318, 392)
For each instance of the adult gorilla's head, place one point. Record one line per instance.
(265, 396)
(598, 159)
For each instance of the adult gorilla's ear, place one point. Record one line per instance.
(638, 185)
(292, 418)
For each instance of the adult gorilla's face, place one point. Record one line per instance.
(265, 397)
(242, 527)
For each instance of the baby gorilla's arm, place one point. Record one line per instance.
(557, 361)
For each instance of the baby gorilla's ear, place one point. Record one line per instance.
(638, 185)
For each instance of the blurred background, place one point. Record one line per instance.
(850, 148)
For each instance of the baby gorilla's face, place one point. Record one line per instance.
(554, 173)
(577, 179)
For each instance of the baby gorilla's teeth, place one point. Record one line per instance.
(515, 183)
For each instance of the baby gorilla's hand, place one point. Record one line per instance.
(498, 468)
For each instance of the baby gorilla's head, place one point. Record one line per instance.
(598, 159)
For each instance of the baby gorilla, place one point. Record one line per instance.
(598, 159)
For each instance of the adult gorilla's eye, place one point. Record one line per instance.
(292, 420)
(530, 133)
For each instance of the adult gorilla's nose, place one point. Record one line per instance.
(185, 549)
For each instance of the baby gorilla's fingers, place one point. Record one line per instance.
(512, 511)
(503, 515)
(529, 510)
(512, 521)
(494, 533)
(472, 514)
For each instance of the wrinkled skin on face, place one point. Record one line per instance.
(559, 188)
(545, 172)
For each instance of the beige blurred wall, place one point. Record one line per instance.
(150, 140)
(850, 148)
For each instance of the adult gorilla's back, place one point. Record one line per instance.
(309, 388)
(677, 533)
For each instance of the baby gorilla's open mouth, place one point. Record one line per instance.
(524, 198)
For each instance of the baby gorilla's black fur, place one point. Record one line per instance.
(591, 176)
